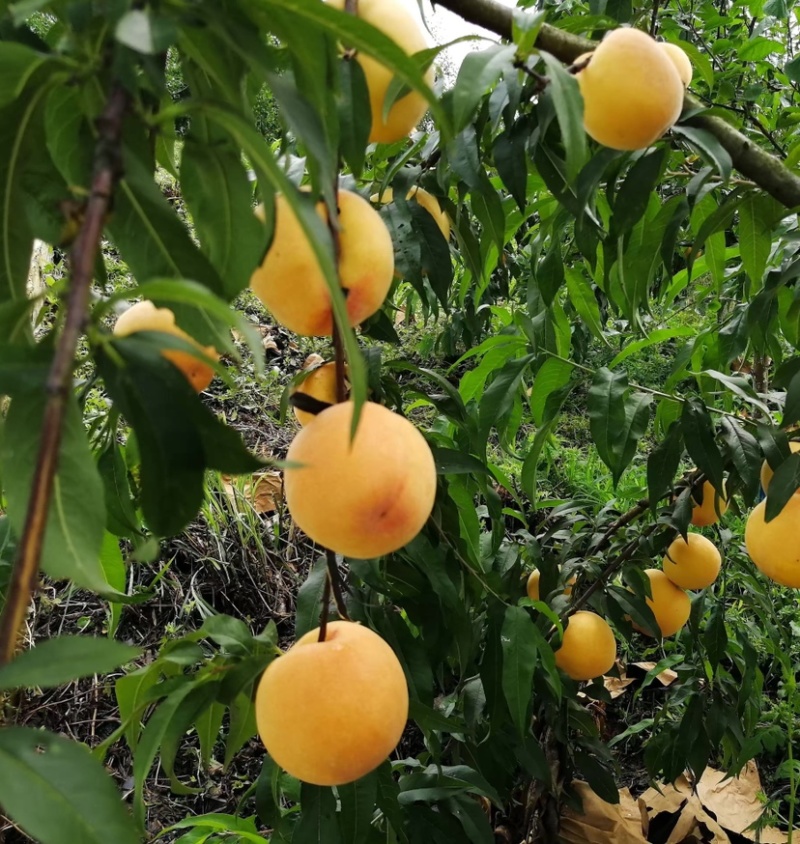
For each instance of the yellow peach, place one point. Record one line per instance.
(588, 648)
(290, 282)
(145, 316)
(427, 200)
(330, 712)
(632, 92)
(396, 20)
(362, 498)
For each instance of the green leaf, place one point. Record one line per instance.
(151, 237)
(150, 742)
(755, 235)
(242, 724)
(632, 199)
(656, 337)
(68, 134)
(356, 808)
(219, 198)
(698, 432)
(77, 517)
(145, 32)
(57, 792)
(17, 64)
(355, 119)
(178, 436)
(553, 375)
(131, 694)
(511, 159)
(121, 516)
(208, 726)
(616, 421)
(519, 643)
(309, 598)
(17, 124)
(473, 819)
(201, 698)
(479, 72)
(23, 368)
(662, 466)
(531, 463)
(791, 407)
(784, 484)
(745, 454)
(792, 69)
(115, 572)
(597, 775)
(548, 273)
(585, 303)
(317, 824)
(568, 103)
(709, 146)
(452, 462)
(715, 637)
(499, 397)
(54, 662)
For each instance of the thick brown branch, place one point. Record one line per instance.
(748, 158)
(59, 381)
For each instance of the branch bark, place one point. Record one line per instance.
(59, 380)
(748, 158)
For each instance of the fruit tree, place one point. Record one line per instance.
(382, 398)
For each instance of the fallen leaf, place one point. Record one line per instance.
(601, 822)
(666, 677)
(616, 685)
(263, 491)
(313, 360)
(734, 801)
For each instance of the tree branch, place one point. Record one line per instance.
(748, 158)
(59, 380)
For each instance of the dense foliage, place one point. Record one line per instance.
(603, 333)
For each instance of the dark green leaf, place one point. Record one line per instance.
(76, 520)
(178, 436)
(56, 661)
(791, 408)
(478, 73)
(309, 598)
(568, 103)
(631, 200)
(784, 484)
(519, 644)
(662, 466)
(745, 453)
(57, 792)
(355, 119)
(709, 146)
(617, 422)
(218, 196)
(121, 517)
(698, 433)
(23, 368)
(356, 808)
(716, 636)
(151, 238)
(473, 819)
(598, 776)
(499, 397)
(317, 823)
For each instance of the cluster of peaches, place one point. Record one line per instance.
(588, 648)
